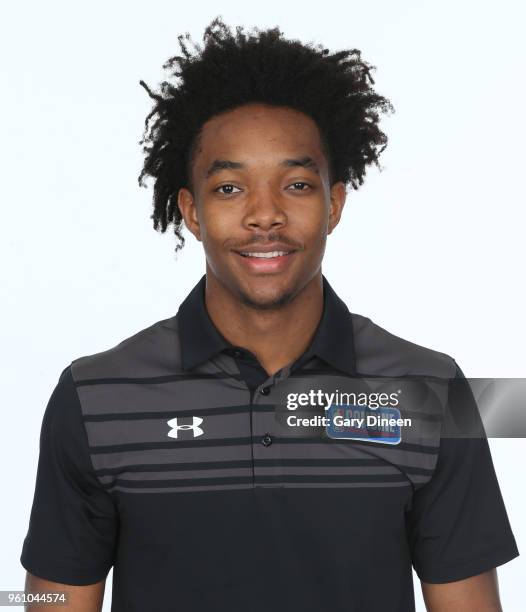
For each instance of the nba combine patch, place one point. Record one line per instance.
(380, 425)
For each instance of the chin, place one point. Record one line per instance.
(267, 298)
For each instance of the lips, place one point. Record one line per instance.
(264, 255)
(269, 249)
(266, 260)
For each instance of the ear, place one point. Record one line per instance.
(187, 206)
(338, 195)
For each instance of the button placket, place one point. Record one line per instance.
(264, 446)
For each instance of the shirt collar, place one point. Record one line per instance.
(200, 339)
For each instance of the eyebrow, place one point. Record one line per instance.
(226, 164)
(304, 162)
(222, 164)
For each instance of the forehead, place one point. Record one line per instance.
(258, 132)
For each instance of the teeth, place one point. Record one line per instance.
(266, 255)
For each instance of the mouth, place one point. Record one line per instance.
(264, 255)
(265, 261)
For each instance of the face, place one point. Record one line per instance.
(261, 202)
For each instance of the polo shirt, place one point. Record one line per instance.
(164, 457)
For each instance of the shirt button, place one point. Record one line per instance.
(236, 353)
(265, 391)
(266, 440)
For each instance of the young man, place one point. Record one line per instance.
(166, 456)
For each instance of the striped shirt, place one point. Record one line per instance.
(171, 458)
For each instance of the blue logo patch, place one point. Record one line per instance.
(350, 422)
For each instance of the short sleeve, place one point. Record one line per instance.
(458, 526)
(73, 523)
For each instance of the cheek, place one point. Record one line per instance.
(217, 224)
(311, 224)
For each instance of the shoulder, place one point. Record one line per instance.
(62, 432)
(152, 351)
(61, 410)
(380, 352)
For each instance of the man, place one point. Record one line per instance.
(167, 456)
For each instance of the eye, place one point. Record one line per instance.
(300, 185)
(228, 189)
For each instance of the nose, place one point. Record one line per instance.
(263, 210)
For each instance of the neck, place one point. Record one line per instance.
(276, 336)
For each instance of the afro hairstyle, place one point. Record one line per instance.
(234, 68)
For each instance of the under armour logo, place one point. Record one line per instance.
(196, 421)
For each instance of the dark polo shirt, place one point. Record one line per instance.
(165, 457)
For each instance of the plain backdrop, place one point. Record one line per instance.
(431, 247)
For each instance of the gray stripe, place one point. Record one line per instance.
(343, 451)
(261, 471)
(381, 352)
(182, 489)
(171, 455)
(329, 485)
(331, 470)
(137, 356)
(174, 395)
(183, 475)
(295, 485)
(156, 430)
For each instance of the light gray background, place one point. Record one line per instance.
(431, 248)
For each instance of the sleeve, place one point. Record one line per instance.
(73, 523)
(458, 526)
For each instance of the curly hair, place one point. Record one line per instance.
(237, 68)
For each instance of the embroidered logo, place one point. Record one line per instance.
(196, 421)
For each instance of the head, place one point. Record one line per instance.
(253, 150)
